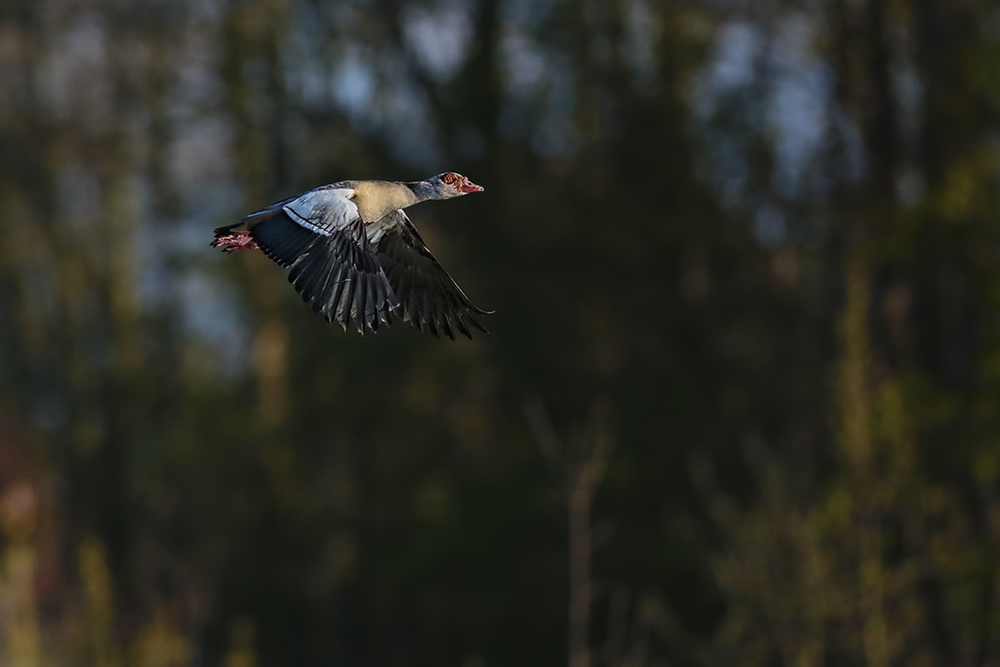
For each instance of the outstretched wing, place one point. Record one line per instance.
(320, 236)
(429, 297)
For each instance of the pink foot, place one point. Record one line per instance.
(235, 242)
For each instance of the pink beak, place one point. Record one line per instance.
(469, 186)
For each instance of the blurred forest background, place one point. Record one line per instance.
(741, 400)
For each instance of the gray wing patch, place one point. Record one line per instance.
(320, 237)
(323, 210)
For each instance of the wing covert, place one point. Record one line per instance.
(323, 210)
(321, 238)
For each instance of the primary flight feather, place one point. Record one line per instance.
(354, 255)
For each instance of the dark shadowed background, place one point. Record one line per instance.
(740, 404)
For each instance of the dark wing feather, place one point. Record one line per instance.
(429, 298)
(281, 239)
(327, 268)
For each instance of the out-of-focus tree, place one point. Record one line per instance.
(879, 550)
(762, 235)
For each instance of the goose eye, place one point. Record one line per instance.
(449, 178)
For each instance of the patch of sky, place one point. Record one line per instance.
(853, 160)
(73, 79)
(168, 254)
(523, 63)
(527, 14)
(642, 33)
(214, 204)
(201, 152)
(78, 195)
(82, 206)
(354, 82)
(207, 308)
(722, 95)
(556, 134)
(538, 84)
(729, 168)
(209, 315)
(307, 56)
(535, 84)
(907, 88)
(412, 136)
(339, 16)
(732, 64)
(726, 109)
(161, 246)
(801, 94)
(207, 11)
(778, 89)
(379, 96)
(255, 73)
(312, 84)
(439, 36)
(909, 187)
(770, 227)
(151, 253)
(199, 85)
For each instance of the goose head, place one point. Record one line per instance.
(446, 186)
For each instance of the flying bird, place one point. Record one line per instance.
(355, 256)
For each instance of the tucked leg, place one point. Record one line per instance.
(235, 242)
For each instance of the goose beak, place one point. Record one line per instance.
(468, 186)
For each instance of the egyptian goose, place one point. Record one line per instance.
(354, 255)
